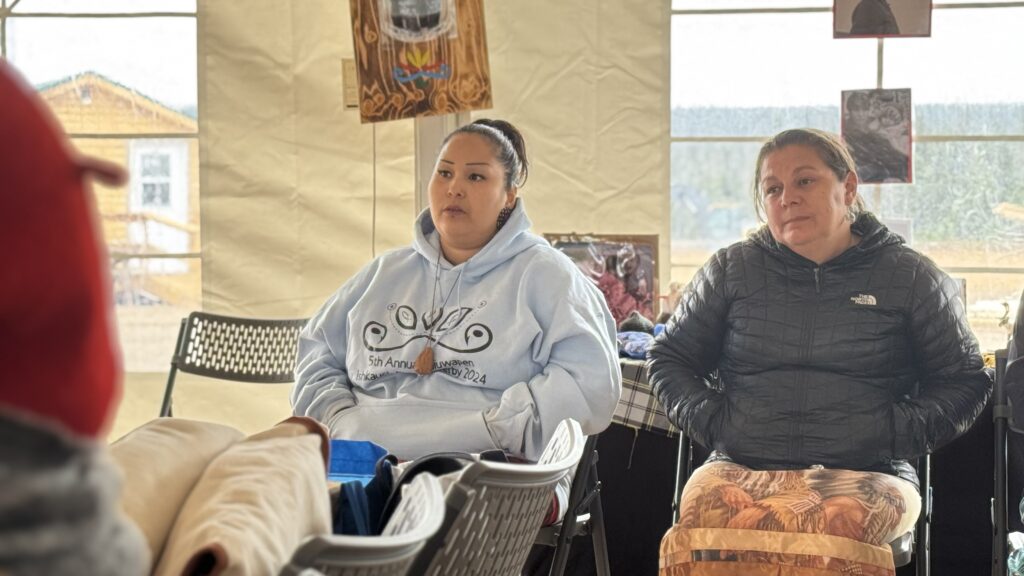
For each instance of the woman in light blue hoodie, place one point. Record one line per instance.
(478, 336)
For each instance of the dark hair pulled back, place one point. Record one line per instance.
(509, 147)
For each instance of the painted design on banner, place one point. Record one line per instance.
(420, 58)
(418, 66)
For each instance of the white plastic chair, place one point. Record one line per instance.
(417, 518)
(495, 510)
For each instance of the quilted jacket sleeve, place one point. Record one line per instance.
(684, 356)
(953, 384)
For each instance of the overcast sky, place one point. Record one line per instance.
(156, 56)
(973, 55)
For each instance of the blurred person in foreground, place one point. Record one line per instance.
(59, 512)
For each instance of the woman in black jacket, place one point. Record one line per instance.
(814, 358)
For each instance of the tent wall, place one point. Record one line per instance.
(297, 195)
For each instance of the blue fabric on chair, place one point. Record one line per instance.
(359, 509)
(352, 515)
(354, 460)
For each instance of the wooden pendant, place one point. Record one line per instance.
(425, 361)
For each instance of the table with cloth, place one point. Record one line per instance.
(638, 408)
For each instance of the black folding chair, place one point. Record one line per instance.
(230, 348)
(921, 543)
(583, 516)
(1007, 398)
(915, 544)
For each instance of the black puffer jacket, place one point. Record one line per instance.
(817, 364)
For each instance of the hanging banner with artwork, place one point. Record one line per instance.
(420, 58)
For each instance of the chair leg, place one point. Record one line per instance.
(999, 503)
(684, 467)
(561, 556)
(922, 536)
(582, 498)
(922, 556)
(165, 406)
(563, 542)
(597, 532)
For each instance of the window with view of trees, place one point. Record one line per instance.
(743, 70)
(93, 65)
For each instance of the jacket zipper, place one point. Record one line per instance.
(808, 337)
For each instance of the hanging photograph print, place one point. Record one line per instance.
(881, 18)
(420, 58)
(876, 125)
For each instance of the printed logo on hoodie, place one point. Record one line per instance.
(411, 327)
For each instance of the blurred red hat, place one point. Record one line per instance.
(58, 354)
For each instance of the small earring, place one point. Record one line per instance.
(504, 215)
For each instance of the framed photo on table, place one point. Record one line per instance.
(881, 18)
(624, 268)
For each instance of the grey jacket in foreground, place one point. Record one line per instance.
(819, 364)
(59, 509)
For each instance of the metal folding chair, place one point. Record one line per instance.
(494, 511)
(918, 548)
(1009, 385)
(584, 515)
(417, 518)
(230, 348)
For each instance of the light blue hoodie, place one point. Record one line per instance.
(524, 341)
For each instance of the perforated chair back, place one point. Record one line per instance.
(231, 348)
(418, 516)
(494, 511)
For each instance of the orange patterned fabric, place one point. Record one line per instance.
(787, 522)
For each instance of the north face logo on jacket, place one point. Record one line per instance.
(864, 300)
